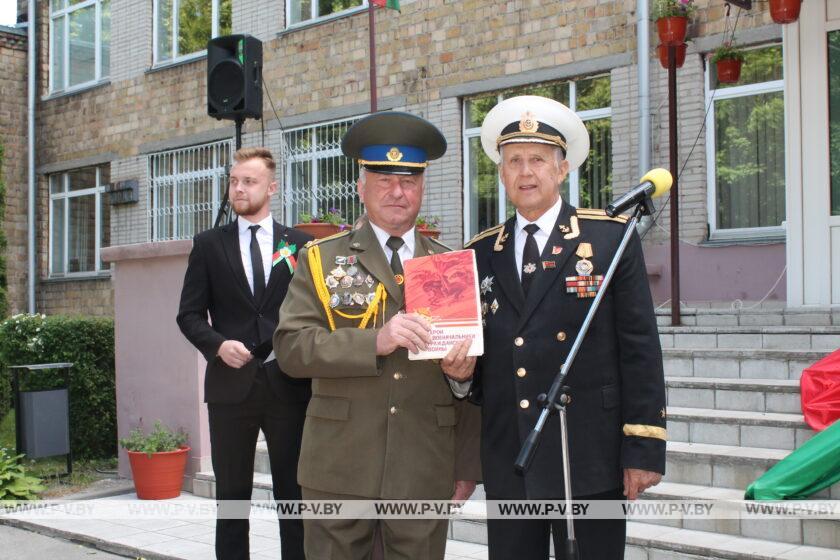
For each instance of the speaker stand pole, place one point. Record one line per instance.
(224, 205)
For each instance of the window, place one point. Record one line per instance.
(80, 38)
(79, 221)
(183, 27)
(305, 10)
(590, 186)
(187, 186)
(318, 176)
(745, 149)
(834, 117)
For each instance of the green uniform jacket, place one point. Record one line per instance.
(376, 427)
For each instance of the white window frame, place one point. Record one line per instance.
(66, 194)
(713, 96)
(313, 155)
(216, 173)
(315, 18)
(574, 176)
(63, 14)
(177, 57)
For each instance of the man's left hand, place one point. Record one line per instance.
(457, 365)
(637, 481)
(463, 490)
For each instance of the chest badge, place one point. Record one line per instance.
(486, 285)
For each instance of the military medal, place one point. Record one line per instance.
(351, 260)
(494, 306)
(347, 299)
(529, 268)
(358, 279)
(332, 283)
(486, 285)
(335, 299)
(352, 270)
(338, 272)
(484, 308)
(584, 265)
(346, 281)
(339, 260)
(370, 297)
(584, 286)
(358, 298)
(369, 281)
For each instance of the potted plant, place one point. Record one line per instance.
(157, 461)
(671, 17)
(428, 226)
(785, 11)
(728, 60)
(679, 53)
(324, 225)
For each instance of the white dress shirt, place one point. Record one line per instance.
(406, 251)
(265, 237)
(545, 223)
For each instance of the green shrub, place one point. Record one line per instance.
(89, 344)
(161, 438)
(15, 484)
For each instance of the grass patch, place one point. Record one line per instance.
(85, 472)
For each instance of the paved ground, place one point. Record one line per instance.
(176, 535)
(20, 544)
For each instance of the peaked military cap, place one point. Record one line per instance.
(535, 119)
(394, 142)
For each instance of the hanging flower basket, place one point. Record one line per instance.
(785, 11)
(672, 30)
(663, 55)
(728, 70)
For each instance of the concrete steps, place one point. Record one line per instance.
(755, 317)
(735, 427)
(769, 338)
(756, 395)
(738, 364)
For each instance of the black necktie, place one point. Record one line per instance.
(530, 257)
(394, 243)
(257, 265)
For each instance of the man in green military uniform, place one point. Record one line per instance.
(379, 426)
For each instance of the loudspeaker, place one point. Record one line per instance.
(234, 77)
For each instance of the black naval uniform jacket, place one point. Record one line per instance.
(616, 417)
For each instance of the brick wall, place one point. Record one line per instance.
(13, 138)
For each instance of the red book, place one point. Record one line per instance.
(444, 288)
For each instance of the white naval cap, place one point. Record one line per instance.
(535, 119)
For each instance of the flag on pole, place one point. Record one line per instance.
(390, 4)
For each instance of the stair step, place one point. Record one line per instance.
(261, 462)
(735, 427)
(726, 466)
(739, 364)
(755, 395)
(813, 316)
(817, 338)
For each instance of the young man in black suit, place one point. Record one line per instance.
(238, 274)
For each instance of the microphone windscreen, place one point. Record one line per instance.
(661, 179)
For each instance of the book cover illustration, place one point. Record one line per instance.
(444, 288)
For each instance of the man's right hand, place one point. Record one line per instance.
(406, 330)
(234, 353)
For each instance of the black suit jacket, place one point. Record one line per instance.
(215, 283)
(617, 381)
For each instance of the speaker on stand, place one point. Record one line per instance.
(234, 87)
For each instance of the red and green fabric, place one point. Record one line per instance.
(390, 4)
(285, 253)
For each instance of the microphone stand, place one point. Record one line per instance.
(558, 396)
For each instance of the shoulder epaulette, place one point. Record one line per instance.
(486, 233)
(328, 238)
(441, 243)
(596, 214)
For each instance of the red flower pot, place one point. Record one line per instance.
(785, 11)
(429, 232)
(728, 70)
(663, 55)
(672, 30)
(160, 476)
(319, 230)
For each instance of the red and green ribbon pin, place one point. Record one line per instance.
(285, 253)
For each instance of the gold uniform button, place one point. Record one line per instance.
(519, 341)
(561, 336)
(521, 372)
(398, 376)
(524, 403)
(393, 410)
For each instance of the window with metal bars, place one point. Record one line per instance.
(186, 188)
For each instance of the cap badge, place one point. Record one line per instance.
(394, 154)
(528, 123)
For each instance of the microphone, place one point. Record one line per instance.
(656, 182)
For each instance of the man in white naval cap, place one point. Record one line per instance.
(539, 272)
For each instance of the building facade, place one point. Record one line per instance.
(127, 154)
